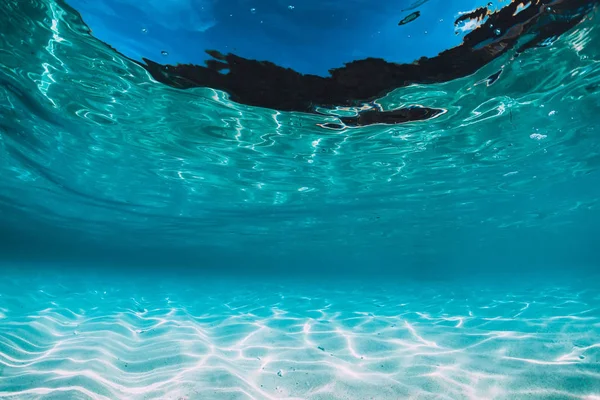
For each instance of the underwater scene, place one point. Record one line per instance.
(268, 199)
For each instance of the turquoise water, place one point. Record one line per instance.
(152, 337)
(160, 243)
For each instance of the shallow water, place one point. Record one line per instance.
(99, 158)
(158, 242)
(108, 337)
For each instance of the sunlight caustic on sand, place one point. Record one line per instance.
(204, 339)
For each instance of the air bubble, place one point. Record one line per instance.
(144, 30)
(164, 53)
(290, 7)
(253, 10)
(537, 136)
(498, 32)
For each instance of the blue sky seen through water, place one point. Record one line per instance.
(309, 36)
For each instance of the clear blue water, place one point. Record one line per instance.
(159, 243)
(118, 336)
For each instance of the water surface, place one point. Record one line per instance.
(161, 240)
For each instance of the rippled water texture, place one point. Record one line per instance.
(96, 154)
(84, 338)
(483, 222)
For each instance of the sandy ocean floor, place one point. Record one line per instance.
(103, 337)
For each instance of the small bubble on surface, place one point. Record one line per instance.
(164, 53)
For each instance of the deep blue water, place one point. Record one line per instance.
(160, 242)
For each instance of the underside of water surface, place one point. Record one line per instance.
(203, 199)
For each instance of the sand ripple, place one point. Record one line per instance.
(97, 338)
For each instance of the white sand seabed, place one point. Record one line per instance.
(121, 339)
